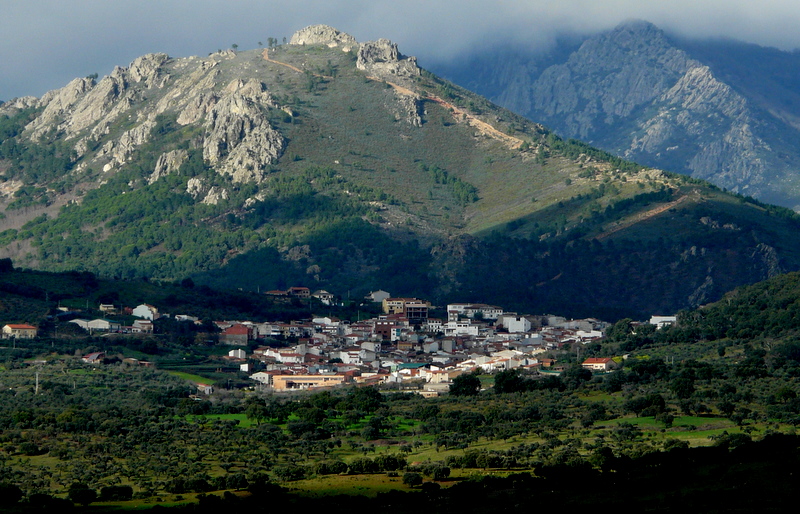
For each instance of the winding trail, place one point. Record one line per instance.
(265, 55)
(482, 127)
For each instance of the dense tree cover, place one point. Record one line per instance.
(746, 476)
(767, 310)
(614, 278)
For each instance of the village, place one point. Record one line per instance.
(402, 347)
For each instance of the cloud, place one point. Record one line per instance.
(48, 42)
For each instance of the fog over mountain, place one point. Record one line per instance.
(47, 43)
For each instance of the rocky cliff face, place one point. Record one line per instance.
(636, 92)
(123, 108)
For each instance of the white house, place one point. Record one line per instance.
(19, 331)
(434, 325)
(663, 321)
(516, 324)
(377, 296)
(237, 354)
(146, 311)
(598, 363)
(323, 296)
(108, 308)
(471, 309)
(461, 328)
(373, 346)
(262, 377)
(144, 326)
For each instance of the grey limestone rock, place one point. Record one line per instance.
(239, 140)
(323, 35)
(167, 163)
(215, 195)
(118, 150)
(195, 187)
(382, 59)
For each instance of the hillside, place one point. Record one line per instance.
(342, 165)
(722, 111)
(30, 296)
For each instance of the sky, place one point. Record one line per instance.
(47, 43)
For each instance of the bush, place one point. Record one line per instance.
(441, 473)
(412, 479)
(116, 493)
(289, 472)
(81, 494)
(330, 467)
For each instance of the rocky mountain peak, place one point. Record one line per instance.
(323, 35)
(634, 29)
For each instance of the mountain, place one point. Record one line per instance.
(341, 165)
(723, 111)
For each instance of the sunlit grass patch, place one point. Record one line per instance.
(197, 379)
(243, 420)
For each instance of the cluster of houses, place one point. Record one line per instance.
(147, 314)
(402, 346)
(406, 347)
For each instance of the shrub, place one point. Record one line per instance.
(412, 479)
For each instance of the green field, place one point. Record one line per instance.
(197, 379)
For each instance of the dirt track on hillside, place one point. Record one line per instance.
(642, 216)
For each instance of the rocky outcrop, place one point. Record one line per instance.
(382, 59)
(118, 150)
(23, 102)
(83, 104)
(409, 109)
(195, 187)
(768, 260)
(58, 104)
(239, 140)
(323, 35)
(703, 293)
(215, 195)
(167, 163)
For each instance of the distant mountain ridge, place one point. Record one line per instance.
(344, 166)
(722, 111)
